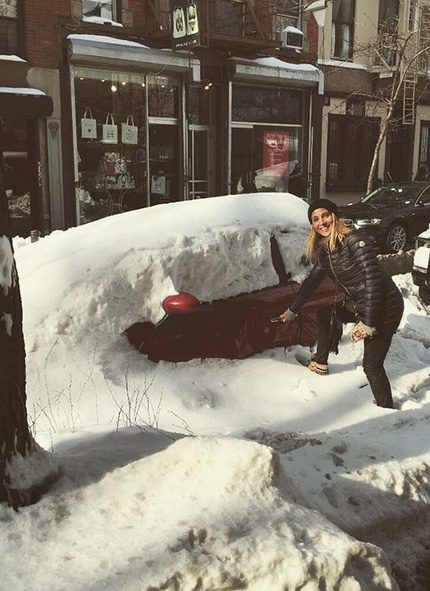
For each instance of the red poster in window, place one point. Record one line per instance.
(275, 151)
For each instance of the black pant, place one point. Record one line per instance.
(375, 351)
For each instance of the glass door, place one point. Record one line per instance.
(199, 157)
(164, 162)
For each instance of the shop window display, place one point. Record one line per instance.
(111, 143)
(266, 139)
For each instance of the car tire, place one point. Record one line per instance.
(396, 237)
(424, 293)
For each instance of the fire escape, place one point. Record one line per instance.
(409, 65)
(252, 26)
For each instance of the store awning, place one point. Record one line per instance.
(99, 50)
(27, 102)
(271, 70)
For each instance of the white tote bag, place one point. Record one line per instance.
(110, 131)
(88, 126)
(129, 131)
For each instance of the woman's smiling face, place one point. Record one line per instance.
(322, 222)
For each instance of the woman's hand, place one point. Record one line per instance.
(287, 316)
(362, 331)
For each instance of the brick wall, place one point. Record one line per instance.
(40, 31)
(312, 35)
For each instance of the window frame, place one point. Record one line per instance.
(337, 34)
(287, 14)
(115, 11)
(19, 50)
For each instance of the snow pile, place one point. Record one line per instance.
(118, 270)
(210, 513)
(186, 519)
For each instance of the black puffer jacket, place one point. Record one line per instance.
(353, 265)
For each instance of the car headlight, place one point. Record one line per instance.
(369, 222)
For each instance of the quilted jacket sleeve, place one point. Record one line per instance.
(373, 276)
(308, 287)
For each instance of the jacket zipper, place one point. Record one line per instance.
(335, 276)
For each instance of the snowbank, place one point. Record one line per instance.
(117, 271)
(186, 519)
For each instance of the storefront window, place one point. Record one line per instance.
(271, 105)
(115, 173)
(264, 158)
(163, 96)
(198, 105)
(111, 142)
(21, 174)
(266, 138)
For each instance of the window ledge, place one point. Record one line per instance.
(100, 20)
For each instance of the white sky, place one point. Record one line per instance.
(292, 480)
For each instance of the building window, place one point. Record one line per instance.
(288, 15)
(128, 141)
(343, 29)
(350, 146)
(229, 17)
(387, 31)
(9, 31)
(103, 9)
(267, 126)
(267, 105)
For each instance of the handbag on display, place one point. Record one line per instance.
(110, 130)
(88, 125)
(129, 131)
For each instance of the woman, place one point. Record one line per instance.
(372, 300)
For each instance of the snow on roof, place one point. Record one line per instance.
(105, 39)
(274, 62)
(11, 58)
(16, 90)
(101, 21)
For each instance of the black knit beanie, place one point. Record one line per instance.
(321, 203)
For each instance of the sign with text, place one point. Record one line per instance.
(276, 151)
(185, 24)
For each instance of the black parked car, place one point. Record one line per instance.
(393, 214)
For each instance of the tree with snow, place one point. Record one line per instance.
(25, 469)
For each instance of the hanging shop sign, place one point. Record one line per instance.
(185, 23)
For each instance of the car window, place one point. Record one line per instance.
(392, 195)
(425, 197)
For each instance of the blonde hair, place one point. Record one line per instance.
(339, 230)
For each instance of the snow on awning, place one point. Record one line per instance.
(29, 102)
(99, 50)
(272, 70)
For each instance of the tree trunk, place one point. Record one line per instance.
(382, 134)
(16, 441)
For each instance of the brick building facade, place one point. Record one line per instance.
(233, 114)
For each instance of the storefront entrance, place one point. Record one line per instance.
(266, 138)
(22, 163)
(200, 157)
